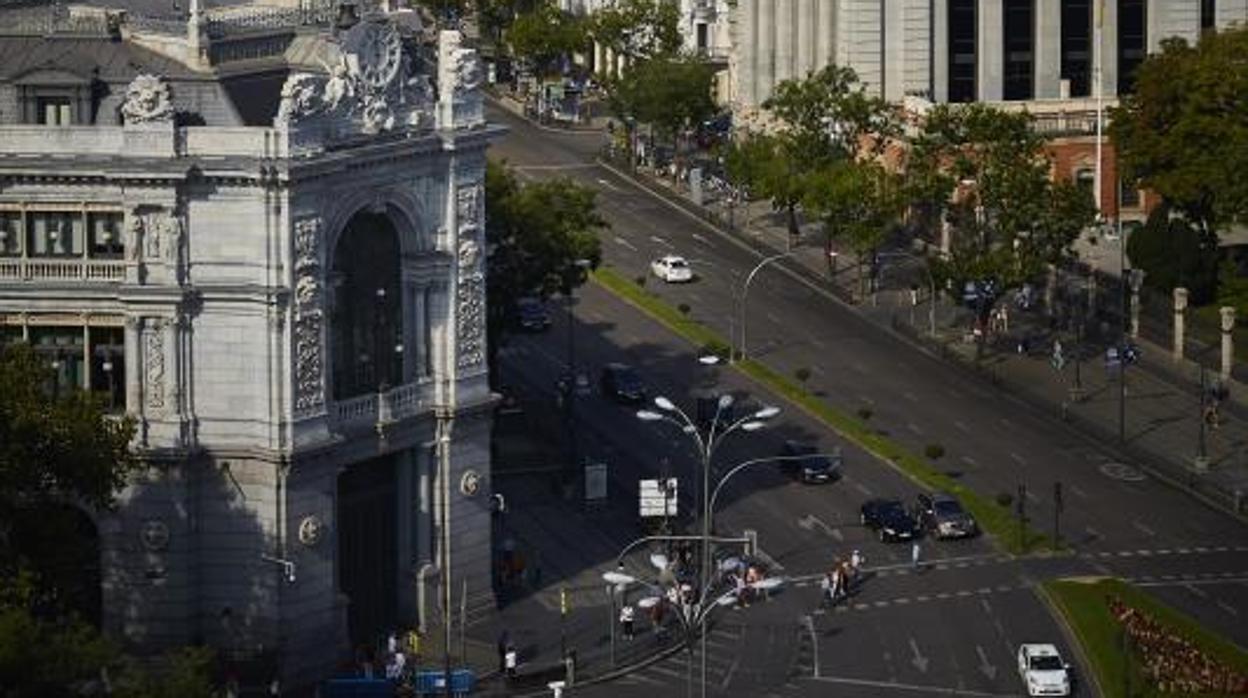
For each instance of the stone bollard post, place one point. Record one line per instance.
(1091, 282)
(1180, 309)
(1136, 280)
(1228, 341)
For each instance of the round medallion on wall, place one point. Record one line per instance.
(470, 483)
(154, 535)
(310, 529)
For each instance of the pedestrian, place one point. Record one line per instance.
(914, 555)
(843, 569)
(626, 621)
(510, 659)
(856, 561)
(825, 585)
(504, 641)
(836, 583)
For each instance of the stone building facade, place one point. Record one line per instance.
(262, 237)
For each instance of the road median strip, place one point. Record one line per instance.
(994, 519)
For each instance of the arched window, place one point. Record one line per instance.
(366, 323)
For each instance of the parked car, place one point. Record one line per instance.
(532, 315)
(808, 464)
(623, 383)
(577, 384)
(672, 268)
(1043, 671)
(944, 517)
(890, 518)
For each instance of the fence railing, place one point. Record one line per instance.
(108, 271)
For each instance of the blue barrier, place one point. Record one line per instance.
(463, 682)
(358, 688)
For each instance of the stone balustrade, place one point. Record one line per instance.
(43, 142)
(99, 270)
(401, 402)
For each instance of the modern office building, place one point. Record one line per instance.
(259, 232)
(961, 50)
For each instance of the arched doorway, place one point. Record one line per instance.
(366, 324)
(368, 548)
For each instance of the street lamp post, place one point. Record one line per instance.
(706, 446)
(745, 289)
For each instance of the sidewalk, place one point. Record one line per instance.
(1162, 413)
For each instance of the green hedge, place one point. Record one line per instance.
(994, 519)
(1083, 603)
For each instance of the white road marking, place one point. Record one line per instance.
(625, 243)
(1078, 492)
(1228, 608)
(817, 343)
(862, 488)
(914, 688)
(819, 370)
(910, 396)
(1032, 496)
(961, 427)
(1018, 459)
(661, 241)
(608, 185)
(1197, 591)
(1143, 529)
(701, 239)
(914, 428)
(775, 318)
(970, 461)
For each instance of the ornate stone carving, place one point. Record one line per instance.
(370, 83)
(470, 304)
(169, 228)
(309, 317)
(459, 77)
(154, 364)
(468, 205)
(301, 98)
(147, 101)
(134, 233)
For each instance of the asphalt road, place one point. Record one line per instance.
(963, 632)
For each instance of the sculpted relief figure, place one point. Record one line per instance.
(300, 98)
(147, 101)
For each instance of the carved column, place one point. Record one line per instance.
(1180, 308)
(1227, 314)
(131, 357)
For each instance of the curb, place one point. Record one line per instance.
(1092, 681)
(506, 104)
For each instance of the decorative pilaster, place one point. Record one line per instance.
(470, 290)
(309, 318)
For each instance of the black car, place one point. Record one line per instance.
(805, 462)
(944, 516)
(622, 383)
(890, 518)
(531, 315)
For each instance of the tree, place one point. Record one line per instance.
(1174, 252)
(535, 234)
(1184, 132)
(672, 94)
(55, 453)
(638, 29)
(859, 202)
(986, 172)
(545, 36)
(826, 120)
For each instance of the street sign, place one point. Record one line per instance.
(658, 497)
(595, 482)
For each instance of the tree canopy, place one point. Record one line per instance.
(535, 233)
(1184, 131)
(671, 93)
(638, 28)
(1174, 252)
(987, 171)
(544, 36)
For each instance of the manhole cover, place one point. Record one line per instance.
(1122, 471)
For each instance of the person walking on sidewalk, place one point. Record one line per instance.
(510, 660)
(626, 621)
(856, 561)
(504, 641)
(914, 555)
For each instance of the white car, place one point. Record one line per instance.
(672, 269)
(1042, 669)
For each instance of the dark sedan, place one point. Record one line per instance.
(944, 516)
(622, 383)
(805, 462)
(531, 315)
(890, 518)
